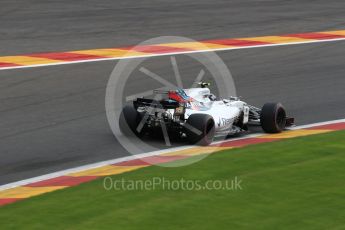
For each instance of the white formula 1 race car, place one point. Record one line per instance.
(196, 114)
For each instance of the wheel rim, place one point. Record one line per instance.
(281, 118)
(209, 131)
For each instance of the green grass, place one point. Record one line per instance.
(293, 184)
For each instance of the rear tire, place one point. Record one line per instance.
(202, 131)
(129, 121)
(273, 118)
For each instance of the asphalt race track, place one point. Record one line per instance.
(53, 118)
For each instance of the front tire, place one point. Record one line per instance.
(200, 129)
(273, 118)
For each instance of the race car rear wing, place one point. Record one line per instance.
(162, 104)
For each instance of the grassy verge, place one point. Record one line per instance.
(292, 184)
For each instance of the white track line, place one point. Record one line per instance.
(138, 156)
(172, 53)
